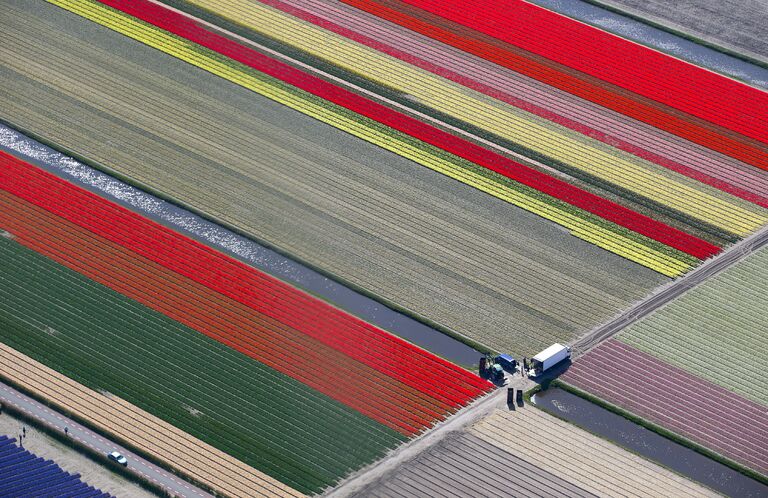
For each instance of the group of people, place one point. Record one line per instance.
(524, 368)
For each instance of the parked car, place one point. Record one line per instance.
(119, 458)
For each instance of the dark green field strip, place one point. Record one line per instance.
(212, 426)
(111, 343)
(143, 393)
(216, 364)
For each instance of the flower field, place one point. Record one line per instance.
(677, 400)
(600, 55)
(376, 220)
(537, 462)
(25, 474)
(507, 122)
(557, 106)
(721, 323)
(711, 343)
(196, 322)
(186, 454)
(548, 185)
(499, 172)
(693, 209)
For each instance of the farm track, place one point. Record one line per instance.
(471, 303)
(699, 410)
(597, 466)
(630, 172)
(112, 415)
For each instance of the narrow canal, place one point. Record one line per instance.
(242, 248)
(648, 444)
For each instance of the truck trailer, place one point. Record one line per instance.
(548, 358)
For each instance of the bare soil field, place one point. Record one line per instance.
(70, 460)
(431, 245)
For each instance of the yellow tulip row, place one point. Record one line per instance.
(551, 209)
(668, 188)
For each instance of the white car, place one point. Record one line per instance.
(117, 457)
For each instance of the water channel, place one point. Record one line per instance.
(648, 444)
(239, 247)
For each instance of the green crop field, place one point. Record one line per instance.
(718, 330)
(111, 343)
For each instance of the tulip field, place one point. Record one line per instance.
(586, 155)
(379, 221)
(701, 363)
(238, 359)
(493, 171)
(701, 198)
(671, 259)
(530, 442)
(185, 454)
(662, 184)
(662, 194)
(25, 474)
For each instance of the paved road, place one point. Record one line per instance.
(667, 293)
(54, 420)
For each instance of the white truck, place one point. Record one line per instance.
(548, 358)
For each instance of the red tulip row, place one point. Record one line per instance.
(374, 372)
(185, 27)
(522, 61)
(357, 26)
(324, 369)
(637, 68)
